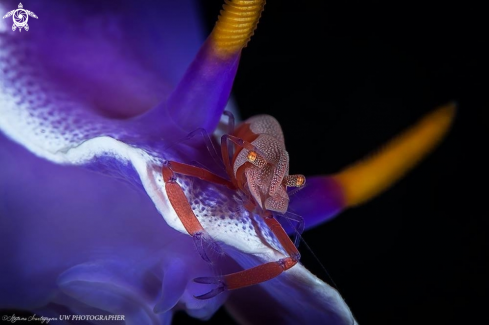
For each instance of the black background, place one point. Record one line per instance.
(344, 77)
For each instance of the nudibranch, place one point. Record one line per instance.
(114, 90)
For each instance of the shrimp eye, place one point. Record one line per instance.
(294, 180)
(256, 159)
(252, 156)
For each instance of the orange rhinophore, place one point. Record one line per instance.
(366, 179)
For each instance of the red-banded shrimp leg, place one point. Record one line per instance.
(257, 274)
(226, 158)
(241, 143)
(231, 121)
(229, 147)
(180, 203)
(208, 143)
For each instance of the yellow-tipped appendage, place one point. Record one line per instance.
(236, 24)
(364, 180)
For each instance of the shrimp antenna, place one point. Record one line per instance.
(299, 237)
(299, 228)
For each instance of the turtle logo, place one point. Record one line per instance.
(20, 17)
